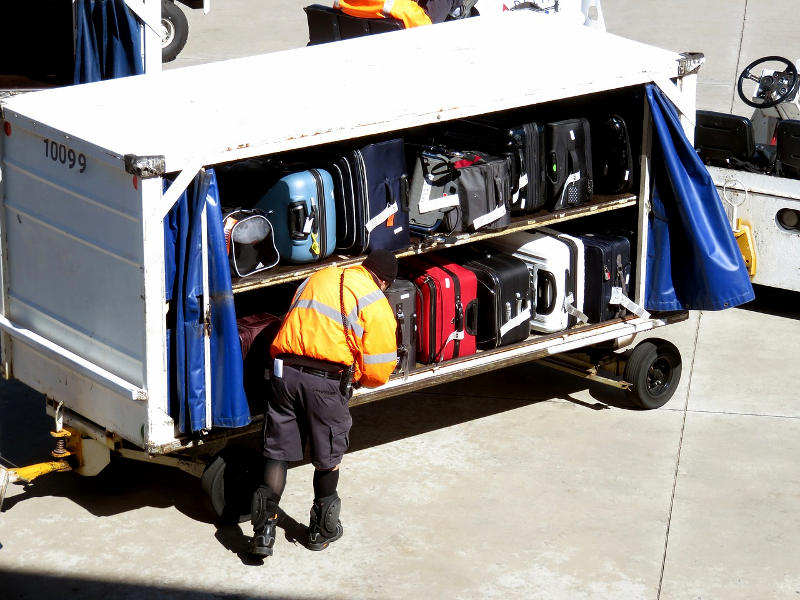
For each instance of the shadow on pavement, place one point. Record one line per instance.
(34, 585)
(776, 302)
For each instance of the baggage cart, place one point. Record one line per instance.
(89, 173)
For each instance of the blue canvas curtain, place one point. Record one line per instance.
(184, 285)
(107, 42)
(693, 260)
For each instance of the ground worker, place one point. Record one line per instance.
(340, 331)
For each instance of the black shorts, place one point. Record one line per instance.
(306, 408)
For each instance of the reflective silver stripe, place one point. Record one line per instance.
(365, 301)
(387, 8)
(331, 313)
(321, 308)
(379, 359)
(298, 293)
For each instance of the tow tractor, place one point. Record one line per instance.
(755, 165)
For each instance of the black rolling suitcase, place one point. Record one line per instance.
(568, 163)
(505, 303)
(607, 266)
(402, 297)
(612, 161)
(522, 144)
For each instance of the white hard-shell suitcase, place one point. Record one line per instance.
(550, 261)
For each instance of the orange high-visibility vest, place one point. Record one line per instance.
(407, 11)
(313, 325)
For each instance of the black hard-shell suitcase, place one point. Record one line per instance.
(608, 265)
(521, 143)
(612, 161)
(568, 163)
(402, 297)
(505, 303)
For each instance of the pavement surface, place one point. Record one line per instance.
(522, 483)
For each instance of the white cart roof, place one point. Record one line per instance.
(243, 107)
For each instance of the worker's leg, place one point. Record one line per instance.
(324, 525)
(282, 442)
(329, 422)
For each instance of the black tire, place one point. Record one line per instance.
(229, 481)
(175, 30)
(654, 371)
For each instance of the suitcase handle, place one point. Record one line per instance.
(472, 318)
(545, 293)
(297, 215)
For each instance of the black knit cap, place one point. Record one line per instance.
(383, 264)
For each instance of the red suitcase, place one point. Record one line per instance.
(447, 308)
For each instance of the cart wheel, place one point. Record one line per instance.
(174, 30)
(654, 370)
(230, 480)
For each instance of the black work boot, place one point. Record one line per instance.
(325, 526)
(264, 538)
(264, 517)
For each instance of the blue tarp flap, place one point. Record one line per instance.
(693, 260)
(107, 41)
(184, 287)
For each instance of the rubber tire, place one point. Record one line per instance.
(173, 19)
(654, 371)
(230, 480)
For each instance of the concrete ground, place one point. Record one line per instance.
(523, 483)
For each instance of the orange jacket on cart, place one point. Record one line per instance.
(313, 326)
(407, 11)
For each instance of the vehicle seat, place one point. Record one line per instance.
(724, 140)
(326, 24)
(787, 157)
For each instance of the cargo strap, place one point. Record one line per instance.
(618, 297)
(569, 306)
(523, 316)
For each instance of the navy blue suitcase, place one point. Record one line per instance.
(380, 189)
(302, 211)
(607, 265)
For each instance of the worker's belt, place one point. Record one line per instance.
(313, 366)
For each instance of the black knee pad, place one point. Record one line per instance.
(263, 507)
(329, 509)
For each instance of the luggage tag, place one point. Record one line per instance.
(572, 310)
(277, 368)
(618, 297)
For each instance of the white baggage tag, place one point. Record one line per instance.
(617, 297)
(573, 310)
(308, 224)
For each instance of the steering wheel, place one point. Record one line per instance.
(774, 88)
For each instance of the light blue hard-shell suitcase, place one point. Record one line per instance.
(302, 211)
